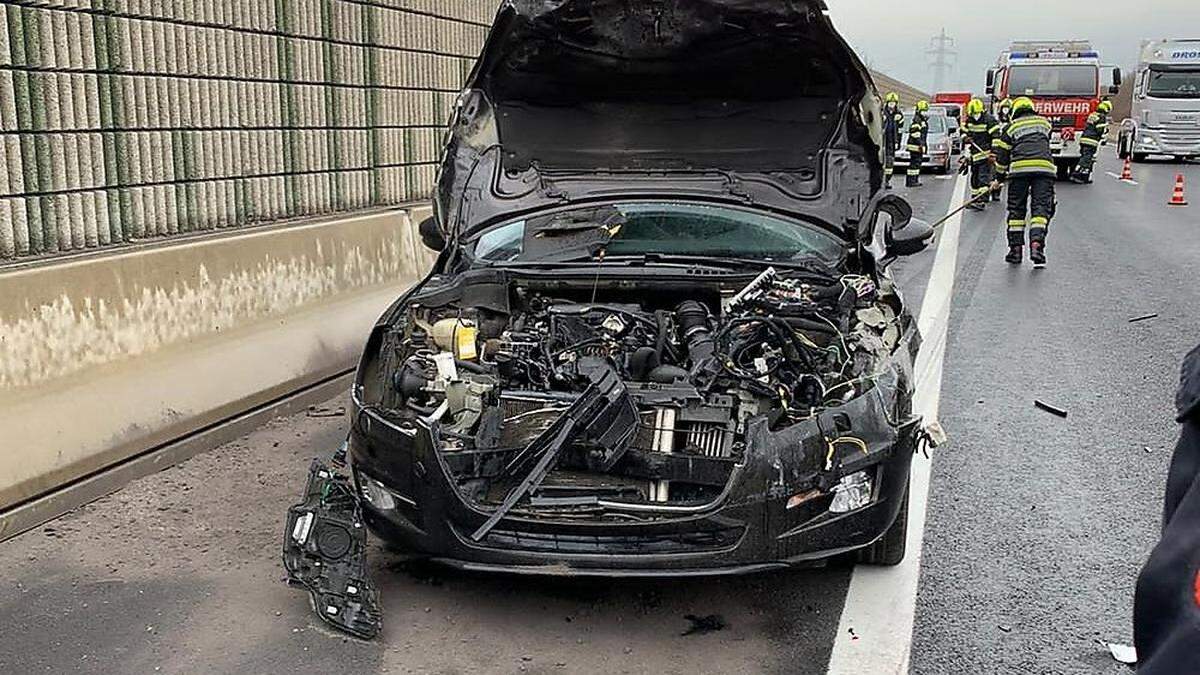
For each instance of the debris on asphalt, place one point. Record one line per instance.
(322, 411)
(1059, 412)
(1005, 628)
(1121, 653)
(1139, 319)
(937, 434)
(705, 624)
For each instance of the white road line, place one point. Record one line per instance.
(875, 633)
(1123, 180)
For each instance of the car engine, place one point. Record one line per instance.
(598, 387)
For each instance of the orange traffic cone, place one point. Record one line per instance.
(1177, 198)
(1127, 172)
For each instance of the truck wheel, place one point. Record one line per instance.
(1140, 157)
(890, 549)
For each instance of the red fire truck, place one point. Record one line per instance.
(1066, 81)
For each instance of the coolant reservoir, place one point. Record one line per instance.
(458, 337)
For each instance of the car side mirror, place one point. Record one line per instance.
(910, 239)
(431, 234)
(894, 231)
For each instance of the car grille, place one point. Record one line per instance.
(699, 541)
(1179, 135)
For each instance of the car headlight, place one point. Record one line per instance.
(852, 493)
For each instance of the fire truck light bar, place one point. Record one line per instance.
(1055, 55)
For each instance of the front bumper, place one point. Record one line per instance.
(749, 528)
(1064, 150)
(934, 160)
(1180, 142)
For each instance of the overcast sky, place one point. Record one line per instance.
(893, 35)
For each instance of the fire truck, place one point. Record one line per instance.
(1065, 79)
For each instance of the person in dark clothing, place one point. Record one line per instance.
(981, 130)
(1023, 158)
(893, 122)
(1166, 612)
(1094, 136)
(1003, 117)
(918, 139)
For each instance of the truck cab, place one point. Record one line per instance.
(1066, 81)
(1165, 117)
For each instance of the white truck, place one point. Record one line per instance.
(1165, 118)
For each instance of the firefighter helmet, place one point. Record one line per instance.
(893, 97)
(1006, 104)
(1022, 103)
(923, 106)
(975, 107)
(1105, 106)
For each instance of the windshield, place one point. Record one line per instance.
(1174, 84)
(937, 123)
(663, 228)
(1053, 81)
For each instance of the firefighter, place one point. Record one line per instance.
(893, 121)
(1094, 136)
(918, 137)
(1004, 111)
(1003, 117)
(982, 130)
(1023, 159)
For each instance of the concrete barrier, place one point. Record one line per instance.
(104, 356)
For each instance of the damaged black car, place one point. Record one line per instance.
(661, 338)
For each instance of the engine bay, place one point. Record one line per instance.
(571, 396)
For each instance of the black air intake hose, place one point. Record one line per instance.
(694, 328)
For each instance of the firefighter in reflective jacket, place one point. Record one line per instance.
(982, 130)
(893, 122)
(1003, 117)
(918, 137)
(1094, 136)
(1023, 159)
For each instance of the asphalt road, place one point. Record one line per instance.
(1036, 527)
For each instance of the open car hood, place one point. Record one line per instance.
(751, 101)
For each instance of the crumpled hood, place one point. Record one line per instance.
(756, 101)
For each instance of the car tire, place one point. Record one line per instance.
(889, 551)
(1140, 157)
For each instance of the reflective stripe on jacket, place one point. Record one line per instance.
(1023, 147)
(1096, 130)
(893, 119)
(981, 133)
(918, 133)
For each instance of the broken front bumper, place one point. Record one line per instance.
(774, 511)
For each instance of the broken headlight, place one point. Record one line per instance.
(852, 493)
